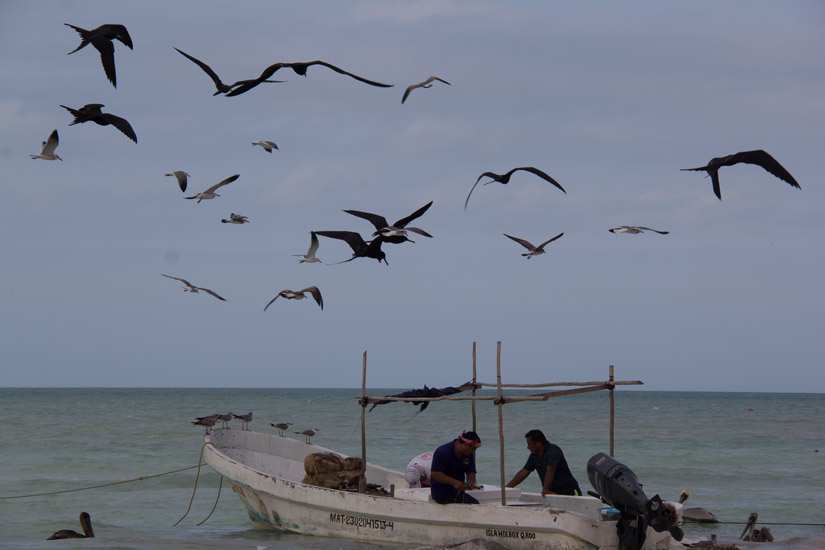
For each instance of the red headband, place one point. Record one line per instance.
(470, 442)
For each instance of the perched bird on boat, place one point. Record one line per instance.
(101, 38)
(189, 287)
(309, 433)
(85, 524)
(299, 295)
(395, 233)
(281, 426)
(212, 417)
(758, 157)
(235, 218)
(300, 67)
(207, 423)
(92, 113)
(505, 178)
(210, 193)
(360, 248)
(181, 176)
(47, 148)
(244, 418)
(309, 257)
(425, 84)
(635, 230)
(225, 419)
(267, 145)
(532, 250)
(222, 88)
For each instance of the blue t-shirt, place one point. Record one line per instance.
(563, 481)
(446, 461)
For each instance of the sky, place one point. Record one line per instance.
(611, 100)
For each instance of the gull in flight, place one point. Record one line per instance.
(425, 84)
(299, 295)
(758, 157)
(309, 257)
(505, 178)
(309, 433)
(267, 145)
(533, 250)
(397, 232)
(47, 148)
(101, 38)
(281, 426)
(210, 193)
(92, 113)
(635, 230)
(181, 176)
(189, 287)
(360, 248)
(235, 218)
(222, 88)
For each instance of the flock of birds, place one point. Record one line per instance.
(103, 37)
(209, 422)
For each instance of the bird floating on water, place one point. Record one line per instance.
(181, 176)
(425, 84)
(267, 145)
(92, 113)
(101, 38)
(189, 287)
(210, 193)
(309, 257)
(397, 232)
(505, 178)
(85, 524)
(757, 157)
(360, 248)
(635, 230)
(299, 295)
(281, 426)
(47, 148)
(235, 218)
(244, 418)
(222, 88)
(309, 433)
(533, 250)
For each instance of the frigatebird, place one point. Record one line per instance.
(300, 67)
(395, 233)
(757, 157)
(101, 38)
(360, 248)
(222, 88)
(505, 178)
(92, 113)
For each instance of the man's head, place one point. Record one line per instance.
(535, 441)
(467, 443)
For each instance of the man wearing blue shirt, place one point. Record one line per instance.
(549, 462)
(451, 462)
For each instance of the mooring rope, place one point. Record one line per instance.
(220, 484)
(766, 523)
(195, 488)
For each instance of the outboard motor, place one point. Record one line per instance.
(618, 486)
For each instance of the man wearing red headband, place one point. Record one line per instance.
(451, 462)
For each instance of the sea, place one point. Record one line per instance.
(129, 457)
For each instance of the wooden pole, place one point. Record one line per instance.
(362, 479)
(474, 389)
(612, 411)
(500, 424)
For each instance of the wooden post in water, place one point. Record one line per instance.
(500, 424)
(473, 402)
(612, 412)
(362, 479)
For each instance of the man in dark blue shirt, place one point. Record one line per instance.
(549, 462)
(451, 462)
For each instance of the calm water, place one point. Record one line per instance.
(737, 453)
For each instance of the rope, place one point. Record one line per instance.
(220, 484)
(770, 523)
(195, 488)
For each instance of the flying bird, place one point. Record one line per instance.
(360, 248)
(309, 257)
(267, 145)
(47, 148)
(92, 113)
(300, 68)
(222, 88)
(758, 157)
(299, 295)
(244, 418)
(505, 178)
(309, 433)
(281, 426)
(101, 38)
(210, 193)
(425, 84)
(181, 176)
(85, 524)
(397, 232)
(635, 230)
(189, 287)
(533, 250)
(235, 218)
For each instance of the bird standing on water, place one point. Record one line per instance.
(533, 250)
(299, 295)
(92, 113)
(47, 148)
(85, 524)
(505, 178)
(101, 38)
(757, 157)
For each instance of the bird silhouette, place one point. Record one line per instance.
(181, 176)
(189, 287)
(235, 218)
(505, 178)
(101, 38)
(300, 67)
(395, 233)
(267, 145)
(533, 250)
(757, 157)
(210, 193)
(299, 295)
(47, 148)
(309, 257)
(635, 230)
(92, 113)
(425, 84)
(85, 524)
(360, 248)
(222, 88)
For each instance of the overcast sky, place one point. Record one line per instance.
(609, 99)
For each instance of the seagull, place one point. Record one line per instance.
(425, 84)
(505, 178)
(235, 218)
(211, 418)
(267, 145)
(281, 426)
(244, 418)
(47, 148)
(309, 433)
(225, 418)
(101, 38)
(85, 524)
(194, 289)
(300, 67)
(397, 232)
(206, 423)
(92, 112)
(181, 176)
(309, 257)
(758, 157)
(635, 230)
(533, 250)
(222, 88)
(210, 193)
(299, 295)
(360, 248)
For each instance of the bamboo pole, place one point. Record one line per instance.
(362, 479)
(500, 424)
(474, 387)
(555, 384)
(612, 412)
(494, 398)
